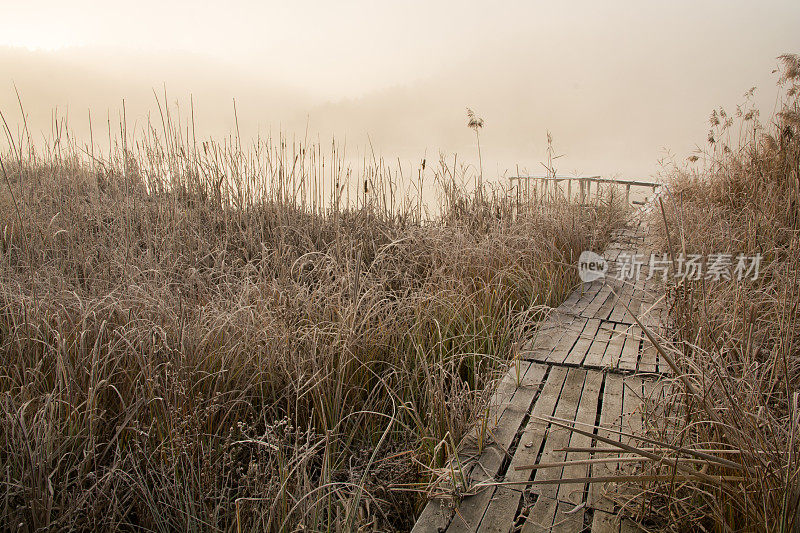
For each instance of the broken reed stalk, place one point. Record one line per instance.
(696, 476)
(557, 464)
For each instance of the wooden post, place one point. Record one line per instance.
(569, 189)
(628, 194)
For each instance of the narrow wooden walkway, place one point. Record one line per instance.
(589, 364)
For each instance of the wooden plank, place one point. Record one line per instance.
(613, 352)
(610, 417)
(618, 314)
(621, 296)
(603, 522)
(558, 438)
(630, 350)
(649, 309)
(472, 508)
(587, 293)
(591, 310)
(578, 352)
(504, 391)
(618, 287)
(629, 526)
(647, 362)
(501, 511)
(540, 517)
(515, 408)
(632, 405)
(530, 442)
(635, 304)
(547, 340)
(576, 294)
(559, 353)
(536, 430)
(586, 416)
(631, 423)
(657, 401)
(435, 517)
(595, 355)
(568, 519)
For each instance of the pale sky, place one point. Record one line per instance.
(616, 82)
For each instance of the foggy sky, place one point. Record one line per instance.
(616, 83)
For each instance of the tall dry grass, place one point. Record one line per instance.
(196, 336)
(737, 343)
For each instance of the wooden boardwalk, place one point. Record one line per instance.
(588, 364)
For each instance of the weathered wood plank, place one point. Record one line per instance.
(632, 405)
(505, 390)
(647, 362)
(578, 352)
(568, 519)
(629, 526)
(595, 355)
(589, 294)
(586, 416)
(635, 305)
(536, 430)
(540, 517)
(558, 438)
(576, 295)
(612, 254)
(591, 310)
(504, 411)
(630, 350)
(632, 397)
(613, 351)
(618, 314)
(435, 517)
(610, 417)
(472, 508)
(547, 340)
(529, 445)
(603, 522)
(613, 299)
(559, 353)
(514, 409)
(501, 511)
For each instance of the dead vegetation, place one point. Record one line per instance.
(736, 342)
(196, 336)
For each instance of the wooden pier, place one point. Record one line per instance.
(590, 365)
(540, 189)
